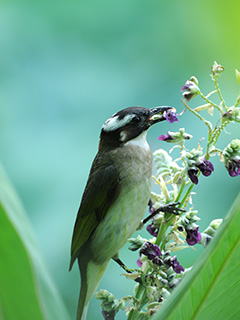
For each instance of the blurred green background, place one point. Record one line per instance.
(66, 66)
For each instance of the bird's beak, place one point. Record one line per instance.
(157, 114)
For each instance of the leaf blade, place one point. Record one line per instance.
(201, 293)
(26, 288)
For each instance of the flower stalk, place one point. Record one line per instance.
(159, 269)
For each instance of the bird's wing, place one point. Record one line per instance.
(101, 191)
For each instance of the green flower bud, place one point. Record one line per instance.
(217, 69)
(232, 150)
(190, 89)
(232, 114)
(164, 282)
(210, 231)
(194, 79)
(163, 274)
(105, 296)
(174, 137)
(136, 243)
(193, 156)
(153, 305)
(215, 224)
(205, 239)
(165, 293)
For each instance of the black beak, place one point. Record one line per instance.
(157, 114)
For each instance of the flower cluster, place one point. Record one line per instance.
(153, 253)
(110, 305)
(190, 89)
(159, 270)
(174, 137)
(187, 223)
(231, 155)
(209, 232)
(201, 165)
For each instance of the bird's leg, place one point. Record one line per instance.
(122, 265)
(168, 208)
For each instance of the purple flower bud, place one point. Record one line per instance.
(176, 265)
(152, 230)
(233, 167)
(172, 262)
(192, 173)
(193, 236)
(174, 137)
(158, 261)
(107, 316)
(231, 156)
(139, 263)
(206, 167)
(150, 250)
(191, 89)
(170, 116)
(166, 137)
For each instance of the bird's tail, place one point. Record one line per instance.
(90, 278)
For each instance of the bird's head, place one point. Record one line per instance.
(128, 124)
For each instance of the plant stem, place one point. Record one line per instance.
(134, 313)
(186, 195)
(219, 93)
(208, 123)
(161, 233)
(210, 102)
(180, 191)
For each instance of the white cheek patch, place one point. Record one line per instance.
(123, 136)
(114, 123)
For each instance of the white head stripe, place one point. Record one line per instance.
(114, 123)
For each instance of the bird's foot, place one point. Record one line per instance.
(125, 268)
(167, 208)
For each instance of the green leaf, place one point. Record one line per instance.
(26, 289)
(237, 75)
(211, 289)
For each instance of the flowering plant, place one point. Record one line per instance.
(174, 221)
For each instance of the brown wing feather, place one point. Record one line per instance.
(101, 191)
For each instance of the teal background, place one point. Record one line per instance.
(66, 66)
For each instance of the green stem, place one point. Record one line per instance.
(161, 233)
(219, 93)
(208, 123)
(208, 144)
(210, 102)
(217, 133)
(134, 313)
(186, 195)
(180, 191)
(237, 101)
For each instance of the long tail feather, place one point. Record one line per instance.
(90, 278)
(82, 305)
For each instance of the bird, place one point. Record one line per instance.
(116, 196)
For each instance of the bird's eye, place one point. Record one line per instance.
(136, 119)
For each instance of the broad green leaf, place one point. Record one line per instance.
(26, 289)
(211, 289)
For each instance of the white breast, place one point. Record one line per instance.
(139, 141)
